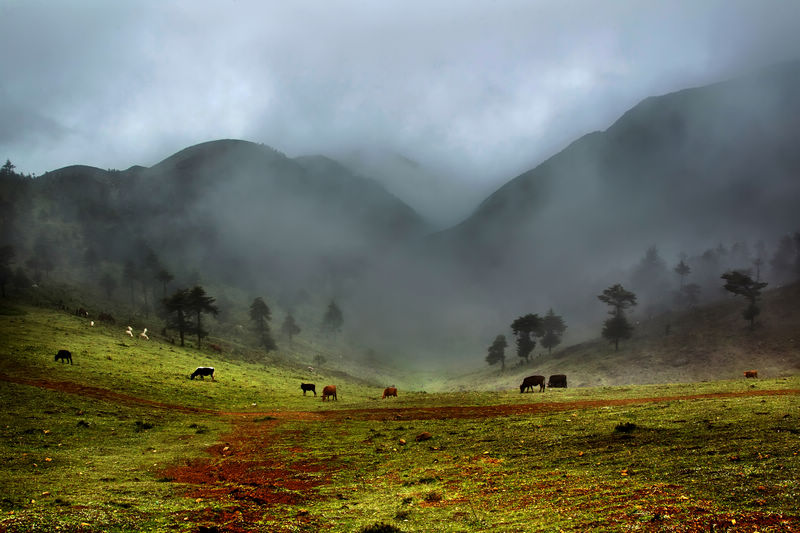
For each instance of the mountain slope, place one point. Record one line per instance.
(683, 171)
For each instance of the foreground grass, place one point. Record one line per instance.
(76, 462)
(729, 464)
(71, 462)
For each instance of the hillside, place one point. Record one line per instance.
(705, 344)
(691, 169)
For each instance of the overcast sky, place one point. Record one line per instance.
(479, 90)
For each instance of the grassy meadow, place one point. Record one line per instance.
(122, 440)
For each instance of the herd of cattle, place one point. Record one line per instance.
(556, 381)
(329, 391)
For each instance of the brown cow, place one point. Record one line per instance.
(329, 390)
(751, 373)
(530, 382)
(389, 391)
(557, 381)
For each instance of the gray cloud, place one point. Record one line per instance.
(474, 91)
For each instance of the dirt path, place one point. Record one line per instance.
(387, 413)
(253, 484)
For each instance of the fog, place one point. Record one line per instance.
(434, 107)
(473, 92)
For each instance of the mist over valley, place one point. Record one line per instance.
(706, 175)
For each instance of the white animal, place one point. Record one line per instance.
(129, 331)
(91, 323)
(143, 334)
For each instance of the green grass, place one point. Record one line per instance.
(87, 462)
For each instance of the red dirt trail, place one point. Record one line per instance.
(381, 413)
(252, 483)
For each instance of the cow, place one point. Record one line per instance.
(203, 371)
(329, 390)
(105, 317)
(530, 382)
(389, 391)
(557, 381)
(308, 387)
(82, 312)
(751, 373)
(64, 355)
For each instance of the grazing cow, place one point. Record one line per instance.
(82, 312)
(389, 391)
(329, 390)
(530, 382)
(308, 387)
(64, 355)
(557, 381)
(751, 373)
(203, 371)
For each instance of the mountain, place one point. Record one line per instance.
(688, 169)
(235, 210)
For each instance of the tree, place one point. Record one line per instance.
(7, 169)
(6, 258)
(177, 307)
(617, 327)
(289, 327)
(553, 327)
(497, 352)
(131, 275)
(320, 360)
(785, 261)
(526, 328)
(742, 284)
(260, 315)
(333, 319)
(683, 270)
(651, 277)
(164, 276)
(198, 303)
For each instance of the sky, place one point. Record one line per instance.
(476, 92)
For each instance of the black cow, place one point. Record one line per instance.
(308, 387)
(530, 382)
(64, 355)
(203, 371)
(558, 381)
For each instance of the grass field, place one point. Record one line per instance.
(123, 441)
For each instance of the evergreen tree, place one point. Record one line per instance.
(7, 169)
(6, 273)
(497, 352)
(617, 327)
(333, 319)
(742, 284)
(260, 315)
(289, 327)
(178, 313)
(553, 327)
(651, 277)
(164, 276)
(683, 270)
(526, 328)
(199, 303)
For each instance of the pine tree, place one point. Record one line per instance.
(526, 328)
(260, 315)
(497, 352)
(289, 327)
(200, 303)
(554, 328)
(617, 327)
(742, 284)
(333, 319)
